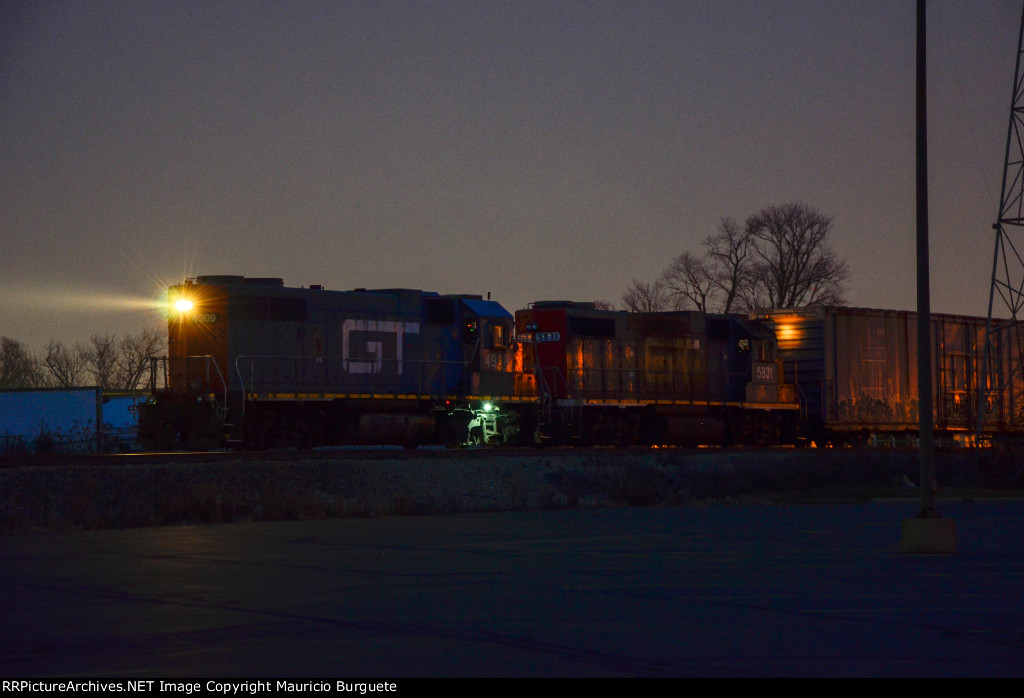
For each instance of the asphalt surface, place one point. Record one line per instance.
(728, 590)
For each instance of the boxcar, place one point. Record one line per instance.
(856, 372)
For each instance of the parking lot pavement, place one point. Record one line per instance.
(741, 590)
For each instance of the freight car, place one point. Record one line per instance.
(684, 378)
(855, 371)
(260, 364)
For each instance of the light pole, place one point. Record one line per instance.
(928, 532)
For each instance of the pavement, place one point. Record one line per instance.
(718, 590)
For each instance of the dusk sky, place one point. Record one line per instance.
(533, 150)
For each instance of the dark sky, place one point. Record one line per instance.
(533, 150)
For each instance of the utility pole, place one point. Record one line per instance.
(925, 392)
(928, 532)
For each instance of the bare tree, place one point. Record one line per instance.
(64, 366)
(644, 297)
(751, 295)
(133, 357)
(781, 258)
(18, 368)
(604, 305)
(729, 258)
(690, 282)
(795, 266)
(109, 362)
(101, 357)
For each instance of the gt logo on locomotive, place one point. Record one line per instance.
(372, 359)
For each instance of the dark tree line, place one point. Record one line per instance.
(112, 363)
(780, 258)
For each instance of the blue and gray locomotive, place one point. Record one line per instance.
(259, 364)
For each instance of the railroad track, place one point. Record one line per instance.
(351, 453)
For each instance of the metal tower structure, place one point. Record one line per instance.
(1006, 338)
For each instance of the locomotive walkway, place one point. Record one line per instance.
(722, 590)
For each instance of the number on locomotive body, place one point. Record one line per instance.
(764, 373)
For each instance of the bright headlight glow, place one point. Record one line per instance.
(183, 305)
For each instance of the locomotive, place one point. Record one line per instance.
(682, 377)
(257, 364)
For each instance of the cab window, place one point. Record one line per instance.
(498, 336)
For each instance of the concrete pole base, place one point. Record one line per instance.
(928, 536)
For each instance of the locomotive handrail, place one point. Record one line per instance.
(221, 407)
(649, 384)
(431, 377)
(798, 389)
(154, 363)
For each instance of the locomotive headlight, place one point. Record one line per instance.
(183, 305)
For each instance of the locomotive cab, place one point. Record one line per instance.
(754, 373)
(494, 362)
(487, 329)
